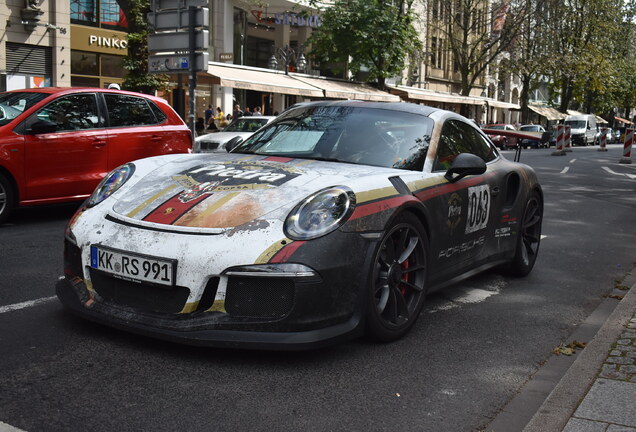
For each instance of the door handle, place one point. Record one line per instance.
(99, 142)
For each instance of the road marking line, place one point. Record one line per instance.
(566, 169)
(8, 428)
(610, 171)
(26, 304)
(573, 160)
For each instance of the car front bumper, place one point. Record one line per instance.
(200, 330)
(229, 305)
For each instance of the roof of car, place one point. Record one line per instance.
(257, 117)
(394, 106)
(62, 90)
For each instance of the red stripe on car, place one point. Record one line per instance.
(286, 252)
(378, 206)
(171, 210)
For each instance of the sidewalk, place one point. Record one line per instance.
(598, 392)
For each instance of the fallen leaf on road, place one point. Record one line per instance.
(568, 349)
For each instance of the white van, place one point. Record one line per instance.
(583, 129)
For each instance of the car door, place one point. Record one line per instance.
(72, 158)
(134, 129)
(469, 206)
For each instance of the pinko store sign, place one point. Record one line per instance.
(288, 18)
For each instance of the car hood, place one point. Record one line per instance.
(230, 190)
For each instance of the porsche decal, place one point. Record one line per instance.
(461, 248)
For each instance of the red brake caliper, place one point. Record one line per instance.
(405, 276)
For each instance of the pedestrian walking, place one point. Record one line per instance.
(238, 112)
(208, 113)
(247, 112)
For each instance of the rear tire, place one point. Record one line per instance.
(529, 237)
(6, 198)
(397, 285)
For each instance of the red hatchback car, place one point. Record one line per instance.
(56, 144)
(502, 142)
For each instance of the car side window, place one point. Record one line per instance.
(125, 110)
(458, 137)
(73, 112)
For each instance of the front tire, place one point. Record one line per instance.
(6, 198)
(396, 290)
(529, 237)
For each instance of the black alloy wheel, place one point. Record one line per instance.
(398, 279)
(529, 237)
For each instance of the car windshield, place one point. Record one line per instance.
(494, 127)
(365, 136)
(529, 128)
(576, 124)
(12, 104)
(245, 124)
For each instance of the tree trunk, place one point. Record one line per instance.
(524, 97)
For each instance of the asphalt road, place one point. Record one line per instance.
(475, 346)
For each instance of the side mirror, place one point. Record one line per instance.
(465, 164)
(231, 144)
(42, 127)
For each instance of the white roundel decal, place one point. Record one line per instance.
(478, 208)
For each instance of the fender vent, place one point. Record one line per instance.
(513, 183)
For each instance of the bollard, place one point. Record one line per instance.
(559, 142)
(603, 142)
(627, 147)
(567, 139)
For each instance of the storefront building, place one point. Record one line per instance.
(61, 43)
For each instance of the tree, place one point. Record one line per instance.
(529, 51)
(475, 34)
(583, 34)
(135, 63)
(373, 35)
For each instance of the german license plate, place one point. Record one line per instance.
(132, 266)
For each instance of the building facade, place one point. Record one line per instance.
(61, 43)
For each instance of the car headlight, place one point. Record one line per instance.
(109, 184)
(320, 214)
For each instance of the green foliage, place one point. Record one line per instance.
(135, 63)
(373, 35)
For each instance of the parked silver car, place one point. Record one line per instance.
(242, 127)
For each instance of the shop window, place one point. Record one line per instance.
(112, 66)
(84, 63)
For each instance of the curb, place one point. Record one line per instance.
(560, 405)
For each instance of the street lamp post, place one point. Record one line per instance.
(287, 56)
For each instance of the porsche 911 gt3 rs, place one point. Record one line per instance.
(333, 221)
